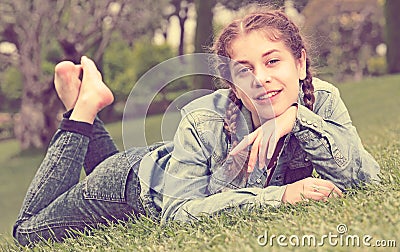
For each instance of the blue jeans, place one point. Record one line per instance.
(58, 202)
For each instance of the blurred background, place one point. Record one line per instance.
(347, 39)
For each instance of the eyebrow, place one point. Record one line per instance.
(236, 62)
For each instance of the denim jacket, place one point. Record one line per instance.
(192, 175)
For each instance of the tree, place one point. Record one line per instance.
(28, 21)
(203, 37)
(180, 9)
(237, 4)
(392, 35)
(346, 34)
(78, 27)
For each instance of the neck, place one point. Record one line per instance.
(256, 121)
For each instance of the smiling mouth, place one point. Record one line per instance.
(268, 95)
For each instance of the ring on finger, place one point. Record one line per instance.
(315, 188)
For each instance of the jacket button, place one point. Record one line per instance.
(258, 181)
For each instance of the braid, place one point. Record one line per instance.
(231, 116)
(277, 27)
(308, 88)
(238, 167)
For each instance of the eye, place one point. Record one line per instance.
(244, 70)
(272, 62)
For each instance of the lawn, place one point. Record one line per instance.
(371, 214)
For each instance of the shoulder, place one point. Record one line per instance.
(202, 123)
(326, 97)
(321, 86)
(208, 107)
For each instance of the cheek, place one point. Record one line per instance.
(302, 74)
(241, 92)
(294, 92)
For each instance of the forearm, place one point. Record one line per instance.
(335, 148)
(185, 210)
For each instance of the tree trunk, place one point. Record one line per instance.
(203, 38)
(392, 35)
(37, 118)
(182, 20)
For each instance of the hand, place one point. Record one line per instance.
(265, 138)
(310, 188)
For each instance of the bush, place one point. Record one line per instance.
(377, 65)
(6, 126)
(10, 90)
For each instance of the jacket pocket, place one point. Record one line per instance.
(299, 167)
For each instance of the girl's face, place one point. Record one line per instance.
(266, 75)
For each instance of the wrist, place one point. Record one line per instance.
(289, 120)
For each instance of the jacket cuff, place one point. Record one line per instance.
(307, 125)
(272, 195)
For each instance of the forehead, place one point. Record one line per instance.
(256, 42)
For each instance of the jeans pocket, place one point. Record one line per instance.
(108, 180)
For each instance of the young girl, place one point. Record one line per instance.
(255, 142)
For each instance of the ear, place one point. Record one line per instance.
(302, 65)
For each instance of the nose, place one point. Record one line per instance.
(262, 78)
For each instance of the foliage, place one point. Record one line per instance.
(117, 58)
(377, 65)
(58, 30)
(10, 89)
(237, 4)
(124, 65)
(368, 211)
(345, 34)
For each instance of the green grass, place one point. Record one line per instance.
(372, 211)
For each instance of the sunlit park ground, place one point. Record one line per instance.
(373, 105)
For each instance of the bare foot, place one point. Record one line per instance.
(94, 95)
(67, 82)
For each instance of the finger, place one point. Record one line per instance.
(253, 155)
(316, 196)
(273, 141)
(247, 140)
(329, 184)
(262, 153)
(326, 191)
(334, 194)
(337, 192)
